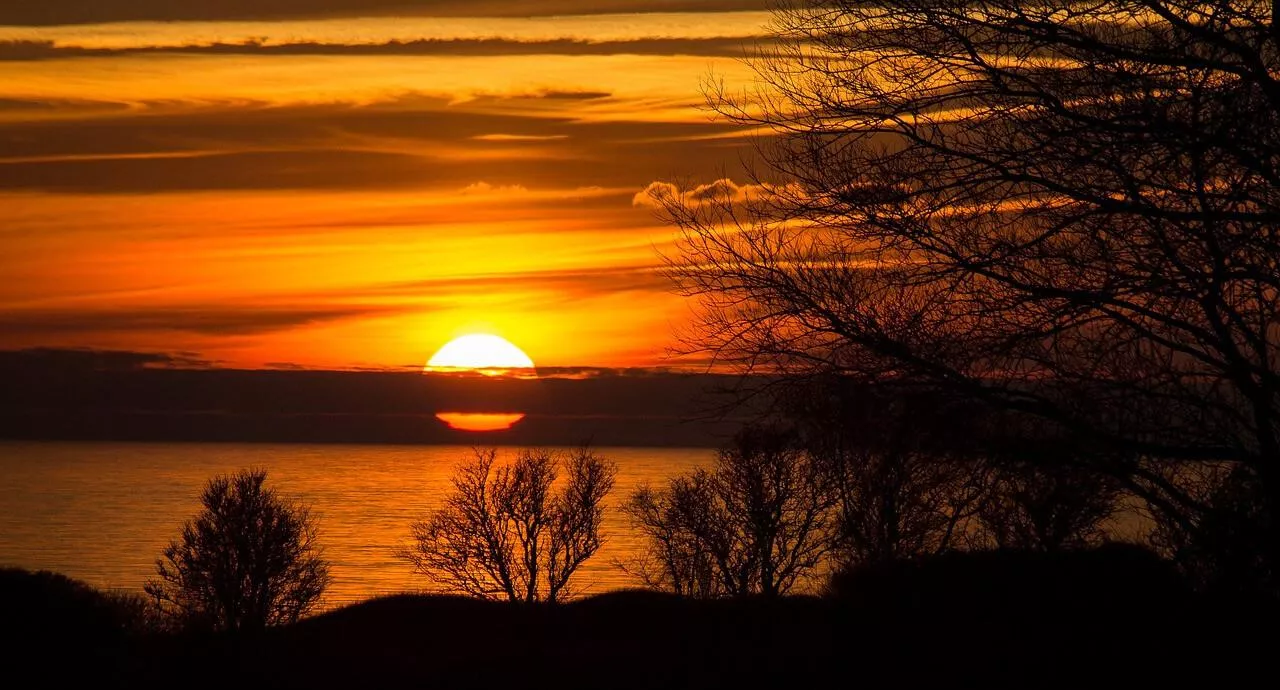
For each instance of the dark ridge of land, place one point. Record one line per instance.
(378, 429)
(1028, 622)
(97, 396)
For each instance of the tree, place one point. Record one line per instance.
(903, 466)
(758, 523)
(898, 502)
(506, 532)
(1048, 506)
(671, 558)
(1219, 550)
(249, 560)
(1064, 210)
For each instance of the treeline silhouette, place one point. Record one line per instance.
(783, 509)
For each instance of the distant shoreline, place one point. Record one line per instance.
(44, 399)
(353, 429)
(481, 439)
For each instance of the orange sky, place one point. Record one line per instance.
(331, 184)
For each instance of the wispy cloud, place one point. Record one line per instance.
(723, 190)
(639, 88)
(569, 283)
(62, 360)
(201, 319)
(588, 29)
(417, 144)
(520, 137)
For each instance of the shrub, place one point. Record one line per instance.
(249, 560)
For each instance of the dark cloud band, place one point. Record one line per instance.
(48, 50)
(55, 12)
(218, 321)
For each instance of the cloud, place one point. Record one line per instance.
(565, 95)
(585, 88)
(520, 137)
(88, 359)
(587, 29)
(720, 190)
(709, 47)
(204, 320)
(486, 189)
(302, 169)
(724, 190)
(410, 143)
(651, 372)
(571, 283)
(53, 12)
(20, 108)
(533, 290)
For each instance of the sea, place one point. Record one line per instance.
(103, 512)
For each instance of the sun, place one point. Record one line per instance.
(480, 353)
(480, 421)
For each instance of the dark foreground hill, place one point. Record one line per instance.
(941, 624)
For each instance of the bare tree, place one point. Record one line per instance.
(672, 558)
(249, 560)
(903, 465)
(1048, 506)
(1218, 551)
(758, 523)
(1062, 209)
(507, 533)
(898, 503)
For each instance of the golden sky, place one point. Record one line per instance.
(351, 183)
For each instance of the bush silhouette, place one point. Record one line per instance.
(249, 560)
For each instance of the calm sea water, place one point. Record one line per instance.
(102, 512)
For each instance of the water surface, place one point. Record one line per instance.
(102, 512)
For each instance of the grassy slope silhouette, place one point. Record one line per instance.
(994, 619)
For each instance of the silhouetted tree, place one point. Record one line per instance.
(899, 502)
(1042, 505)
(901, 465)
(1219, 551)
(249, 560)
(671, 558)
(1061, 209)
(760, 520)
(506, 532)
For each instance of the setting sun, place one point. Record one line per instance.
(483, 353)
(480, 421)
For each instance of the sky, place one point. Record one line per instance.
(352, 183)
